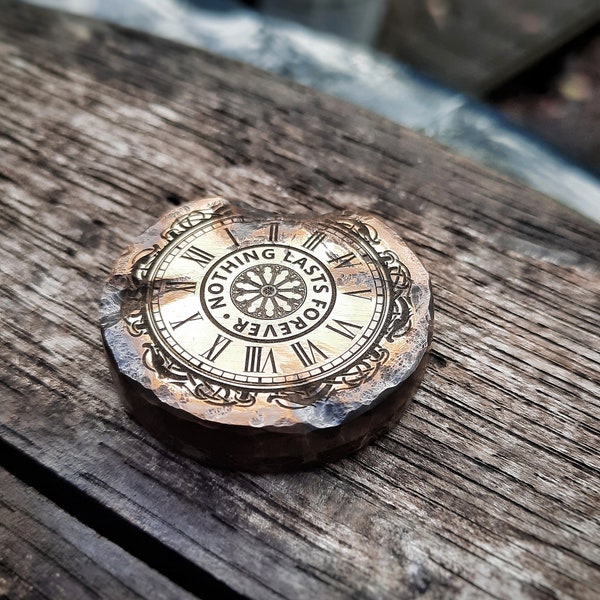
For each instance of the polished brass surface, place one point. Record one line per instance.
(228, 318)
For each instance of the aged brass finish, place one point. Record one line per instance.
(265, 342)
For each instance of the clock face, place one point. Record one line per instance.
(266, 305)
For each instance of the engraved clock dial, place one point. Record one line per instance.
(263, 342)
(266, 305)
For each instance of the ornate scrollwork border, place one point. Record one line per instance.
(398, 323)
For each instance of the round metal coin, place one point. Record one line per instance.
(265, 342)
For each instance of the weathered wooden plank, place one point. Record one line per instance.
(487, 488)
(476, 45)
(46, 553)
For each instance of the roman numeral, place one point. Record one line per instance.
(343, 328)
(343, 261)
(360, 293)
(254, 362)
(273, 232)
(314, 240)
(202, 257)
(231, 236)
(195, 317)
(307, 356)
(220, 344)
(180, 286)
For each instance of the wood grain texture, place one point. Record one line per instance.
(476, 45)
(45, 553)
(487, 488)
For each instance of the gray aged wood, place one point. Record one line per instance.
(45, 553)
(489, 485)
(476, 45)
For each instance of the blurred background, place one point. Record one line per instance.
(538, 61)
(512, 84)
